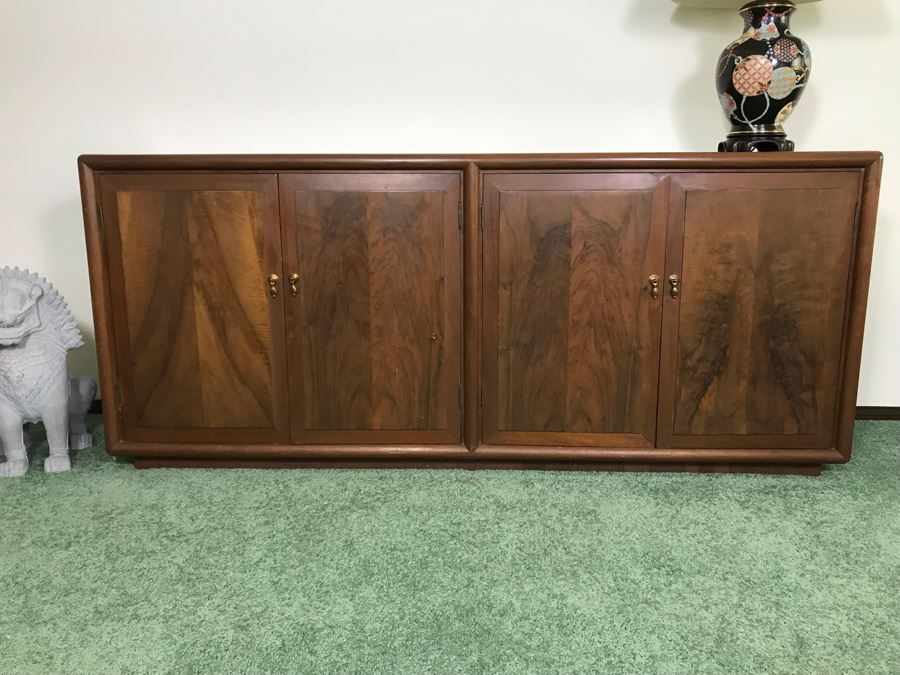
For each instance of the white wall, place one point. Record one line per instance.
(286, 76)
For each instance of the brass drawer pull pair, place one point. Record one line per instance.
(273, 285)
(674, 287)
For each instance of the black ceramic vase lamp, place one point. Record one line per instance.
(761, 75)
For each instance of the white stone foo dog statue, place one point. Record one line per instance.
(37, 330)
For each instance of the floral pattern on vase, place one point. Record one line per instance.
(761, 76)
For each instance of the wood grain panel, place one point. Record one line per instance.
(766, 262)
(375, 343)
(406, 283)
(159, 302)
(234, 336)
(336, 326)
(201, 340)
(535, 251)
(571, 336)
(605, 311)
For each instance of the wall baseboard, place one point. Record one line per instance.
(874, 412)
(863, 412)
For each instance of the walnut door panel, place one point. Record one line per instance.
(199, 341)
(753, 344)
(374, 330)
(570, 330)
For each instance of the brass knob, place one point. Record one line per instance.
(292, 280)
(273, 285)
(654, 286)
(674, 288)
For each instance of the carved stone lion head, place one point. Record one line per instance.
(19, 315)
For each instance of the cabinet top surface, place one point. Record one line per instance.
(688, 161)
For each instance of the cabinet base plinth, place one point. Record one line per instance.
(197, 463)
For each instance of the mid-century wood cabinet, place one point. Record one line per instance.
(664, 312)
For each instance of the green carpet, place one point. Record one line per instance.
(111, 569)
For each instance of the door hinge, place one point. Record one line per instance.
(459, 217)
(482, 398)
(460, 397)
(481, 215)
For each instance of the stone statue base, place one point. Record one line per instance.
(82, 391)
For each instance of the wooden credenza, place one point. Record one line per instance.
(660, 312)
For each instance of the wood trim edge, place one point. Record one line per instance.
(689, 161)
(527, 455)
(863, 412)
(161, 463)
(101, 303)
(861, 268)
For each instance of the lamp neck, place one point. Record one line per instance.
(768, 19)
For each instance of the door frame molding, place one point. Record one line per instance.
(449, 184)
(493, 186)
(682, 186)
(108, 186)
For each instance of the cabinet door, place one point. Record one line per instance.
(570, 330)
(374, 325)
(752, 344)
(199, 341)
